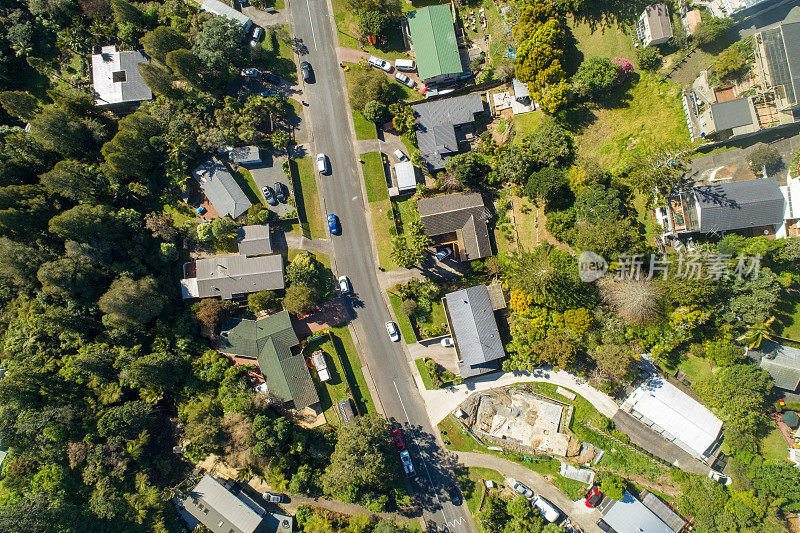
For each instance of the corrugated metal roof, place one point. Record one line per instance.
(221, 189)
(243, 155)
(732, 114)
(629, 515)
(406, 176)
(222, 511)
(663, 512)
(435, 125)
(460, 212)
(474, 330)
(254, 240)
(781, 47)
(739, 205)
(782, 363)
(434, 39)
(236, 274)
(520, 89)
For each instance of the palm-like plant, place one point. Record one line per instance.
(756, 334)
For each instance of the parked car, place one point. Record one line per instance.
(380, 63)
(455, 494)
(305, 69)
(408, 466)
(272, 497)
(594, 498)
(344, 284)
(323, 166)
(444, 253)
(397, 437)
(258, 34)
(405, 64)
(522, 489)
(280, 192)
(547, 509)
(447, 342)
(333, 225)
(250, 72)
(400, 155)
(391, 328)
(269, 195)
(405, 80)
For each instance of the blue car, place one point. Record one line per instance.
(333, 225)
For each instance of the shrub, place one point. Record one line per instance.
(408, 307)
(710, 30)
(764, 156)
(648, 58)
(620, 436)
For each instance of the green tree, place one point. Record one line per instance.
(469, 169)
(132, 302)
(372, 22)
(126, 13)
(61, 132)
(127, 420)
(764, 156)
(753, 299)
(262, 301)
(218, 43)
(595, 77)
(550, 277)
(75, 180)
(711, 30)
(211, 313)
(85, 222)
(300, 299)
(615, 361)
(158, 79)
(648, 58)
(408, 248)
(187, 66)
(18, 264)
(658, 165)
(71, 279)
(372, 85)
(162, 40)
(19, 104)
(306, 269)
(523, 517)
(613, 486)
(493, 515)
(549, 185)
(550, 145)
(374, 111)
(133, 152)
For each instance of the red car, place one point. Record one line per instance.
(593, 498)
(397, 437)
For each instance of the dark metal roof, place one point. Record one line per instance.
(254, 240)
(739, 205)
(436, 120)
(230, 275)
(222, 511)
(474, 329)
(221, 189)
(732, 114)
(461, 212)
(629, 515)
(659, 21)
(663, 511)
(782, 54)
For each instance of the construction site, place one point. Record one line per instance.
(520, 420)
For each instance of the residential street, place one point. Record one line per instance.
(341, 193)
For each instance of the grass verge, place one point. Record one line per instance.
(374, 176)
(306, 197)
(381, 225)
(344, 342)
(279, 55)
(424, 373)
(406, 330)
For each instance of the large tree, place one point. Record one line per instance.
(469, 169)
(132, 302)
(219, 43)
(162, 40)
(595, 77)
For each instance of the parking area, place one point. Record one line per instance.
(270, 172)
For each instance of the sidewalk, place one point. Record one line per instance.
(577, 511)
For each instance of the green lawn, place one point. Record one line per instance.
(471, 483)
(278, 55)
(408, 211)
(604, 41)
(527, 123)
(787, 318)
(423, 372)
(459, 439)
(347, 31)
(774, 446)
(307, 198)
(381, 225)
(364, 128)
(500, 39)
(353, 368)
(697, 368)
(248, 185)
(406, 330)
(180, 212)
(374, 177)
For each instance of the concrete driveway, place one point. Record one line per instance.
(268, 173)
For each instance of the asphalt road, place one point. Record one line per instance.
(328, 113)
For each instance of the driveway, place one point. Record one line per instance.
(576, 510)
(268, 173)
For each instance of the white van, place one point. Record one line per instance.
(405, 64)
(322, 164)
(547, 509)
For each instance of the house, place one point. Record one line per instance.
(269, 341)
(231, 276)
(223, 507)
(752, 207)
(781, 362)
(470, 316)
(777, 52)
(245, 155)
(433, 38)
(459, 221)
(521, 92)
(691, 19)
(254, 240)
(406, 177)
(654, 25)
(678, 417)
(118, 85)
(221, 189)
(222, 9)
(629, 515)
(444, 125)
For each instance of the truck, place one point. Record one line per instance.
(318, 358)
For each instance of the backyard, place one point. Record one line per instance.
(307, 200)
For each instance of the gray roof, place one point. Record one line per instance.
(520, 89)
(662, 510)
(474, 330)
(462, 213)
(436, 121)
(732, 114)
(222, 511)
(346, 413)
(254, 240)
(629, 515)
(223, 10)
(243, 155)
(231, 275)
(221, 189)
(782, 363)
(782, 53)
(116, 78)
(659, 21)
(739, 205)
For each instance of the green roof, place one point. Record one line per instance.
(434, 41)
(270, 340)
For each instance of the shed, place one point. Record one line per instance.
(791, 419)
(521, 91)
(782, 363)
(406, 176)
(345, 410)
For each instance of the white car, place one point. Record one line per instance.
(400, 155)
(322, 164)
(344, 284)
(447, 342)
(408, 466)
(719, 478)
(258, 33)
(547, 509)
(391, 328)
(380, 63)
(405, 80)
(522, 489)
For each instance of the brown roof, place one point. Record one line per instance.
(462, 213)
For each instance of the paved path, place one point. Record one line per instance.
(576, 510)
(298, 242)
(443, 401)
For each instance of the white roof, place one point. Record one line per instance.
(406, 178)
(223, 10)
(116, 78)
(319, 361)
(676, 413)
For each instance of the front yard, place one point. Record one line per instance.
(307, 197)
(278, 56)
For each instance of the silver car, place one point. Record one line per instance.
(522, 489)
